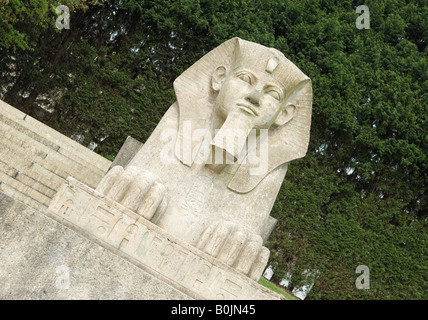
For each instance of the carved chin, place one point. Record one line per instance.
(232, 135)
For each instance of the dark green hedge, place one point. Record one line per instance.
(359, 197)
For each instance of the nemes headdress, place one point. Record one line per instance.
(195, 98)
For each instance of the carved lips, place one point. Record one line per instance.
(248, 109)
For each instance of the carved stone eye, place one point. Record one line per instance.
(245, 77)
(274, 94)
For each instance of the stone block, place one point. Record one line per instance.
(55, 140)
(43, 259)
(131, 236)
(128, 151)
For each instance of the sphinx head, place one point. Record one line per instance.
(252, 93)
(241, 87)
(252, 89)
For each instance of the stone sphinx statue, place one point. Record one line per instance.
(211, 170)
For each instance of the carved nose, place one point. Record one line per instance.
(254, 97)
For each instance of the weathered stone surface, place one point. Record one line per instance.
(151, 248)
(191, 206)
(42, 259)
(35, 160)
(211, 170)
(128, 151)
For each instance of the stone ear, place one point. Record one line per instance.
(218, 77)
(285, 115)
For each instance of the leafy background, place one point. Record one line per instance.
(359, 197)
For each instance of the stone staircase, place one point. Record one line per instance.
(41, 258)
(35, 160)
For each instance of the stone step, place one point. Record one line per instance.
(35, 160)
(10, 148)
(33, 135)
(27, 180)
(17, 195)
(77, 159)
(14, 133)
(44, 172)
(23, 178)
(13, 142)
(45, 156)
(8, 169)
(52, 138)
(49, 178)
(19, 187)
(27, 139)
(30, 168)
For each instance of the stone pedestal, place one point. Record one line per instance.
(41, 259)
(137, 240)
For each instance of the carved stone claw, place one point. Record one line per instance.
(136, 189)
(235, 247)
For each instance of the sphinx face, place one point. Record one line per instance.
(247, 100)
(254, 96)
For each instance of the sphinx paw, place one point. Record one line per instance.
(136, 189)
(236, 247)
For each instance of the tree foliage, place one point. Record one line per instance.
(359, 197)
